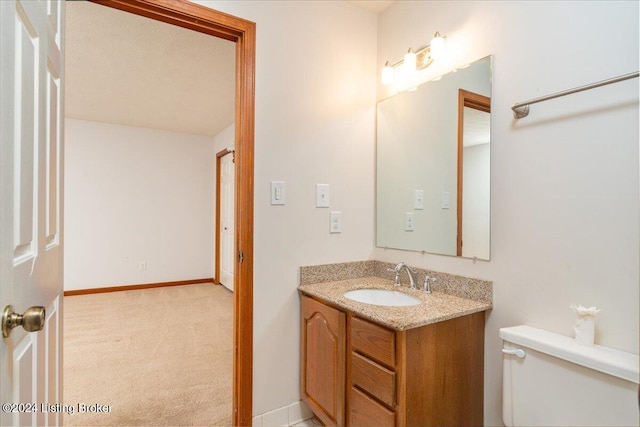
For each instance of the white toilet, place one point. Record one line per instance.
(550, 380)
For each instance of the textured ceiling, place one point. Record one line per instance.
(376, 6)
(129, 70)
(477, 127)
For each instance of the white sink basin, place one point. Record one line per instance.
(382, 297)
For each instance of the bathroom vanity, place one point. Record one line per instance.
(369, 365)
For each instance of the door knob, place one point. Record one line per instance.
(32, 320)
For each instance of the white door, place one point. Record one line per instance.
(31, 151)
(227, 229)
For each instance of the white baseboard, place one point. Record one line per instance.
(286, 416)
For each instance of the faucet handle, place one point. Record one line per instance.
(397, 278)
(427, 284)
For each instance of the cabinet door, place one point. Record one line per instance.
(323, 360)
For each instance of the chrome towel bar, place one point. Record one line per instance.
(521, 109)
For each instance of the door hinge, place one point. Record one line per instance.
(240, 257)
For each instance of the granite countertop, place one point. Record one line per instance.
(435, 307)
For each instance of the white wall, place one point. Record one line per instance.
(315, 121)
(564, 181)
(136, 194)
(225, 138)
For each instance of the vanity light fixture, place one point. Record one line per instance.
(437, 46)
(387, 74)
(410, 61)
(414, 61)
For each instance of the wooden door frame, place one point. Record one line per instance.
(202, 19)
(477, 102)
(219, 156)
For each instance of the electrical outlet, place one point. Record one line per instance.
(336, 222)
(408, 221)
(142, 265)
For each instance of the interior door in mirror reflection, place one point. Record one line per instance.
(417, 148)
(474, 137)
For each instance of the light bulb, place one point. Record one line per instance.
(387, 74)
(437, 46)
(410, 61)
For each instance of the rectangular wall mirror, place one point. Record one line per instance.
(433, 165)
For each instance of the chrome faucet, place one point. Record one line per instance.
(411, 273)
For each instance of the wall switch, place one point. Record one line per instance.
(336, 222)
(445, 200)
(408, 221)
(277, 193)
(418, 199)
(322, 195)
(142, 265)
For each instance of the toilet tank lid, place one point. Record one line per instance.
(604, 359)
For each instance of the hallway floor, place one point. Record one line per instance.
(160, 357)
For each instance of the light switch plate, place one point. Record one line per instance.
(418, 199)
(336, 222)
(445, 200)
(277, 193)
(322, 195)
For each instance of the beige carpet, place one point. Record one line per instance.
(157, 357)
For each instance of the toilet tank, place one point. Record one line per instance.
(550, 380)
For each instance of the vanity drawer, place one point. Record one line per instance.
(366, 412)
(373, 378)
(374, 341)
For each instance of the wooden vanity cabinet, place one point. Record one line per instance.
(323, 360)
(427, 376)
